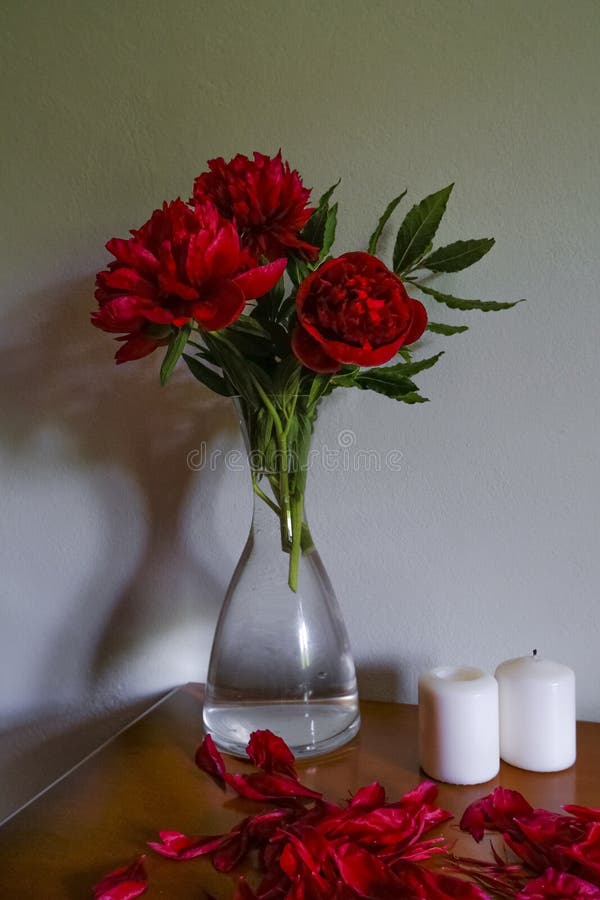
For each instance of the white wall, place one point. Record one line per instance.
(114, 555)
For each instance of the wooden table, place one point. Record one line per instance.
(144, 780)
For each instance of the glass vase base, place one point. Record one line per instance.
(309, 729)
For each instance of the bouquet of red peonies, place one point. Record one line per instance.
(240, 282)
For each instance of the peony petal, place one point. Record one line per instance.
(132, 252)
(418, 323)
(136, 346)
(311, 354)
(222, 256)
(495, 812)
(271, 753)
(210, 760)
(124, 280)
(269, 787)
(221, 303)
(175, 845)
(371, 796)
(366, 874)
(259, 281)
(124, 883)
(560, 886)
(585, 813)
(364, 355)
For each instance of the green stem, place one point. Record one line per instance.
(297, 510)
(260, 493)
(285, 516)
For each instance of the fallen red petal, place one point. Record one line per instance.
(124, 883)
(210, 760)
(271, 753)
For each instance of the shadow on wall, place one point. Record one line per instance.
(126, 438)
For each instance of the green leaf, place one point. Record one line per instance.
(413, 398)
(418, 229)
(249, 326)
(174, 351)
(329, 231)
(314, 230)
(347, 377)
(205, 375)
(297, 269)
(237, 369)
(250, 337)
(326, 197)
(387, 382)
(286, 379)
(409, 369)
(267, 307)
(440, 328)
(318, 231)
(320, 387)
(374, 239)
(286, 309)
(458, 303)
(457, 256)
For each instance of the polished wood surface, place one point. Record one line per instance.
(145, 780)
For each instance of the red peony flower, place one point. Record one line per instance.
(354, 310)
(267, 200)
(184, 263)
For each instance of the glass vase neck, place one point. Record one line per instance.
(277, 438)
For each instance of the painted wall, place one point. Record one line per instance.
(484, 544)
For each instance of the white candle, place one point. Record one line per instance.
(458, 725)
(537, 714)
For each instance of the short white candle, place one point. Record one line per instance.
(537, 714)
(458, 725)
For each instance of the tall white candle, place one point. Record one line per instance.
(537, 714)
(458, 725)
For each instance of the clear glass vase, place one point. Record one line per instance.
(281, 658)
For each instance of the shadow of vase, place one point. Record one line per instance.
(156, 570)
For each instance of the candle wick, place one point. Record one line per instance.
(535, 652)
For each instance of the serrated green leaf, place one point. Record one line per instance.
(374, 239)
(457, 256)
(206, 376)
(411, 368)
(329, 231)
(440, 328)
(418, 229)
(174, 351)
(390, 384)
(458, 303)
